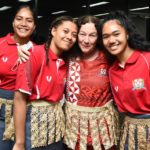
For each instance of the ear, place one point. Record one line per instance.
(34, 27)
(127, 36)
(53, 31)
(13, 24)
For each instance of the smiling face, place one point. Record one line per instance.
(64, 37)
(23, 25)
(115, 37)
(87, 38)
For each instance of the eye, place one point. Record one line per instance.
(74, 35)
(105, 36)
(18, 18)
(116, 34)
(82, 34)
(93, 35)
(66, 31)
(30, 20)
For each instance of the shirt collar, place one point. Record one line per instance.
(10, 39)
(54, 57)
(132, 59)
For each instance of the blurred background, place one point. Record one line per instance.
(138, 10)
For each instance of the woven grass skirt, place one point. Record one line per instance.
(135, 134)
(47, 123)
(9, 124)
(101, 121)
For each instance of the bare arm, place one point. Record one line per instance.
(20, 102)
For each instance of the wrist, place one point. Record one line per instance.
(21, 143)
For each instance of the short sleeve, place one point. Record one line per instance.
(27, 72)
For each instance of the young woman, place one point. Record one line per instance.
(39, 119)
(91, 119)
(130, 78)
(23, 26)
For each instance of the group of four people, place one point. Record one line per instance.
(75, 61)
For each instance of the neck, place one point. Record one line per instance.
(55, 49)
(20, 41)
(91, 56)
(125, 55)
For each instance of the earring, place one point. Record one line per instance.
(127, 37)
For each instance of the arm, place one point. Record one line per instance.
(20, 101)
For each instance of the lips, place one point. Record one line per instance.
(68, 42)
(113, 46)
(23, 30)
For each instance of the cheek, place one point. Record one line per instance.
(14, 25)
(105, 42)
(79, 39)
(123, 39)
(32, 27)
(74, 40)
(93, 41)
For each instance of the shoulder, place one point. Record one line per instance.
(38, 50)
(102, 54)
(145, 55)
(3, 39)
(38, 54)
(102, 57)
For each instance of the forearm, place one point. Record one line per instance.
(20, 117)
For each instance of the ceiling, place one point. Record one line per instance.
(72, 7)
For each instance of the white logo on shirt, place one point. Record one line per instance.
(103, 72)
(4, 59)
(48, 78)
(116, 88)
(138, 84)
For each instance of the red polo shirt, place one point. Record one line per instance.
(131, 83)
(39, 80)
(8, 62)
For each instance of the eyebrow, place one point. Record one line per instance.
(112, 32)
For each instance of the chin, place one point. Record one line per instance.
(66, 49)
(85, 51)
(115, 52)
(24, 35)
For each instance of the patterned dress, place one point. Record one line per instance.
(91, 118)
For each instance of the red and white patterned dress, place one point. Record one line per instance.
(90, 114)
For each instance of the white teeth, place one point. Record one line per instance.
(114, 47)
(23, 30)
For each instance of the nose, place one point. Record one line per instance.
(111, 39)
(23, 22)
(86, 39)
(69, 36)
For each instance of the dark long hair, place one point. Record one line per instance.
(33, 12)
(135, 40)
(54, 24)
